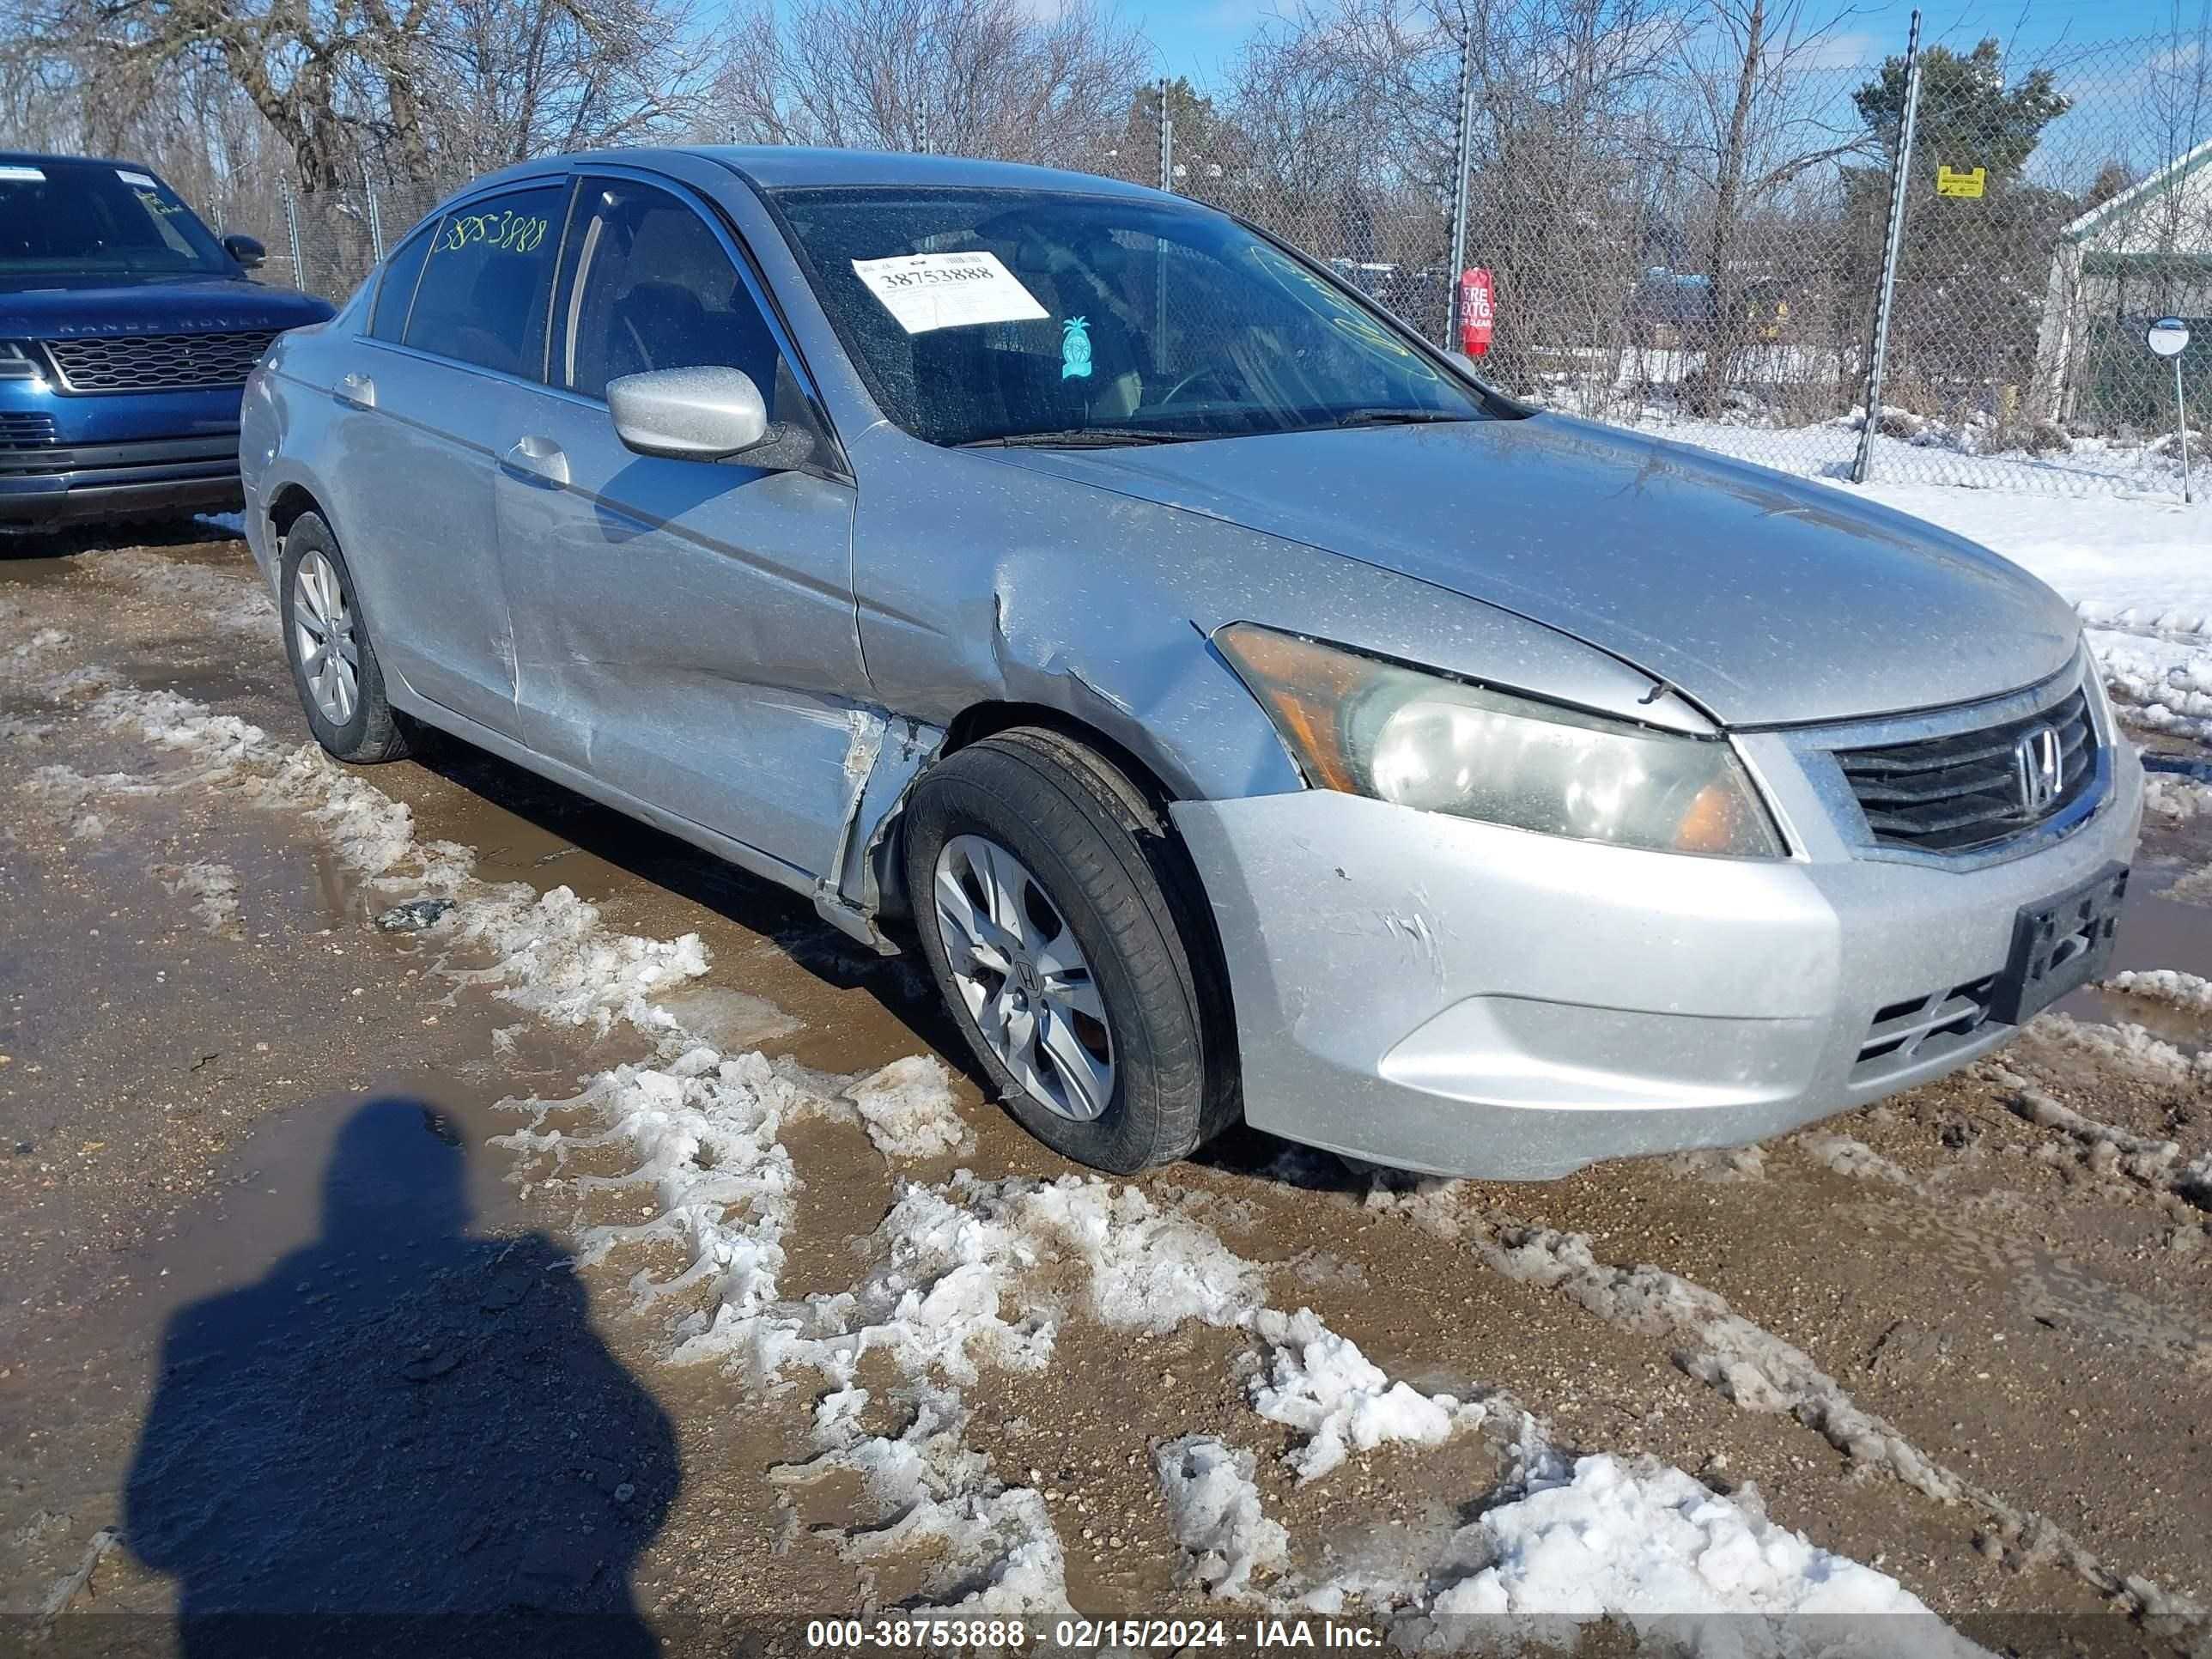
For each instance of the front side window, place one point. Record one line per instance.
(984, 316)
(487, 281)
(62, 217)
(653, 288)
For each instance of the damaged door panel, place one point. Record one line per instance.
(685, 629)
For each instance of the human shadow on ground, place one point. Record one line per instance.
(403, 1439)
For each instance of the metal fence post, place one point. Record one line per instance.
(375, 216)
(1892, 250)
(1463, 162)
(1167, 139)
(291, 230)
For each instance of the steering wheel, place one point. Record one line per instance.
(1205, 372)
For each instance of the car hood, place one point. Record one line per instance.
(59, 308)
(1768, 600)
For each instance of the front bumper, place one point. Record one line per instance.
(1462, 999)
(58, 483)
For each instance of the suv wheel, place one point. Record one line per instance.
(334, 666)
(1056, 912)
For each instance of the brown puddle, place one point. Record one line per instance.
(2155, 932)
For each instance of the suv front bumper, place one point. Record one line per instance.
(1462, 999)
(60, 483)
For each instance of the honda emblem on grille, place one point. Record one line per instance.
(2039, 769)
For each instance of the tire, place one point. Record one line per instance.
(361, 728)
(1110, 872)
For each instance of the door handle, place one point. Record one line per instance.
(539, 458)
(356, 389)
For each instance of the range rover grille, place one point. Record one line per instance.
(158, 362)
(1954, 793)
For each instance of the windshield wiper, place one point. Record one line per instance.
(1396, 417)
(1081, 437)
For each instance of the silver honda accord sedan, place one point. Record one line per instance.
(1245, 711)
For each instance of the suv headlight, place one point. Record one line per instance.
(1369, 728)
(17, 363)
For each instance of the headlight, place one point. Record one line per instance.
(1369, 728)
(16, 362)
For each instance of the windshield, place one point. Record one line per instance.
(981, 316)
(93, 217)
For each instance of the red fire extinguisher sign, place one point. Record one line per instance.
(1476, 311)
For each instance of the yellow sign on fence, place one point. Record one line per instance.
(1949, 181)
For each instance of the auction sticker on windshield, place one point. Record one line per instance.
(923, 291)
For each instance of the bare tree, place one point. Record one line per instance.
(995, 78)
(1753, 132)
(421, 87)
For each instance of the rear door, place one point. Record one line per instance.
(683, 630)
(440, 383)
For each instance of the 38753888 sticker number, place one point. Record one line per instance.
(506, 231)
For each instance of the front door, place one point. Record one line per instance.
(683, 630)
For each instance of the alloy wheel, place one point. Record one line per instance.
(1023, 977)
(323, 626)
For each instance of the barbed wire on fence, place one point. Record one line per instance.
(1646, 275)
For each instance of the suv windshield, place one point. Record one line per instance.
(67, 217)
(983, 316)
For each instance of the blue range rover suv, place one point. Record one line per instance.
(127, 333)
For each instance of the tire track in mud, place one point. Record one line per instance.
(1707, 1339)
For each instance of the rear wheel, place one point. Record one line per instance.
(1055, 913)
(334, 666)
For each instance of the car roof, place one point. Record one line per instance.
(780, 166)
(36, 158)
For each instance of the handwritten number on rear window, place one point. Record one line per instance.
(506, 232)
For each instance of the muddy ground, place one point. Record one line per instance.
(279, 1311)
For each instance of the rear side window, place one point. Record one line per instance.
(396, 287)
(653, 289)
(487, 281)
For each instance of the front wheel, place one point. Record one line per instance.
(1056, 912)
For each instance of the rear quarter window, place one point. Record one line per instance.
(488, 280)
(395, 289)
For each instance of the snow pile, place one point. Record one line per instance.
(908, 1109)
(2123, 1044)
(2108, 1148)
(2176, 800)
(1213, 1508)
(1680, 1566)
(703, 1130)
(994, 1552)
(1320, 1383)
(2158, 685)
(212, 888)
(2165, 985)
(241, 606)
(550, 954)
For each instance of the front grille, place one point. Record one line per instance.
(1952, 794)
(158, 362)
(25, 431)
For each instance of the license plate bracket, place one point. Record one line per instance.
(2059, 946)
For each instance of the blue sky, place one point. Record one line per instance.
(1196, 37)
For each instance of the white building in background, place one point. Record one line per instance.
(2146, 253)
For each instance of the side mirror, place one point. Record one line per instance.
(688, 414)
(246, 250)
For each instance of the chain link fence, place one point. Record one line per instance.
(1725, 290)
